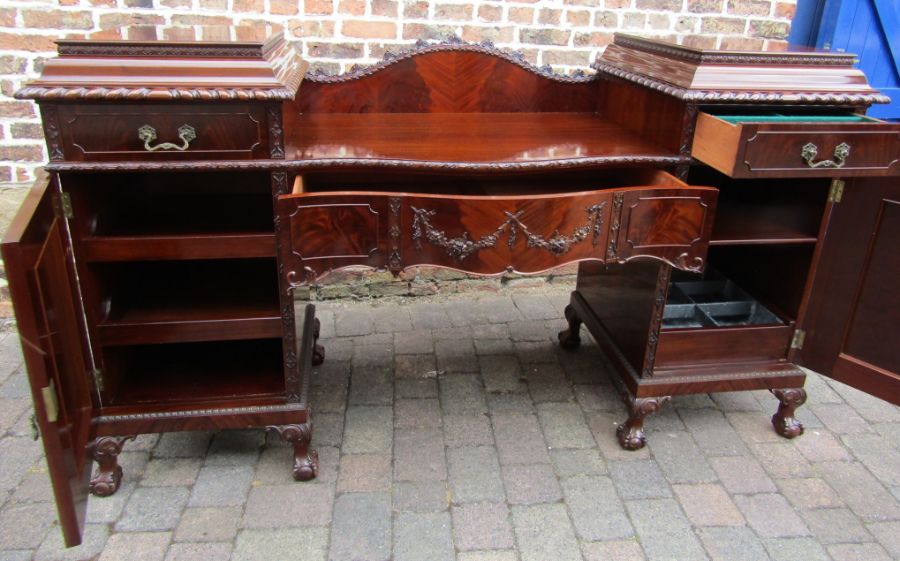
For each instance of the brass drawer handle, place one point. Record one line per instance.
(810, 151)
(148, 134)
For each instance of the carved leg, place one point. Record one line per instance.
(783, 420)
(571, 337)
(631, 432)
(109, 473)
(318, 350)
(306, 461)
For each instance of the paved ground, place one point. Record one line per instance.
(456, 429)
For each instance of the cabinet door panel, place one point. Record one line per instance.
(48, 312)
(854, 307)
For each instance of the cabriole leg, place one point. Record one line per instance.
(306, 461)
(783, 420)
(571, 337)
(108, 476)
(631, 432)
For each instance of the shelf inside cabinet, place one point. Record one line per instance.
(193, 372)
(215, 300)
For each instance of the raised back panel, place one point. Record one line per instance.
(451, 78)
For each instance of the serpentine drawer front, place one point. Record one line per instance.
(153, 132)
(493, 234)
(797, 146)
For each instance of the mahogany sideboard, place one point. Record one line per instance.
(734, 216)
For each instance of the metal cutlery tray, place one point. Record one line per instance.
(714, 301)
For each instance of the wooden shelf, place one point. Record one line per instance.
(755, 224)
(193, 372)
(174, 247)
(466, 138)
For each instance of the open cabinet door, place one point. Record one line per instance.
(852, 322)
(36, 252)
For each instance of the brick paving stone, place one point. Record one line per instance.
(93, 540)
(809, 493)
(17, 455)
(819, 391)
(208, 524)
(332, 373)
(136, 546)
(16, 555)
(840, 418)
(221, 486)
(482, 526)
(423, 536)
(519, 439)
(510, 404)
(16, 386)
(547, 382)
(888, 535)
(105, 510)
(771, 516)
(501, 374)
(169, 472)
(858, 552)
(372, 356)
(508, 555)
(329, 399)
(680, 458)
(153, 509)
(835, 525)
(535, 305)
(536, 352)
(603, 428)
(419, 455)
(597, 397)
(371, 385)
(596, 509)
(420, 366)
(338, 350)
(235, 447)
(499, 309)
(280, 506)
(428, 315)
(355, 323)
(34, 488)
(11, 410)
(417, 413)
(821, 446)
(665, 422)
(490, 331)
(467, 430)
(639, 479)
(413, 342)
(195, 551)
(883, 461)
(754, 427)
(742, 474)
(622, 550)
(364, 473)
(564, 426)
(869, 407)
(712, 432)
(455, 356)
(736, 401)
(864, 494)
(663, 530)
(569, 463)
(361, 528)
(782, 460)
(529, 484)
(528, 331)
(544, 532)
(409, 389)
(328, 429)
(795, 549)
(708, 505)
(391, 319)
(475, 474)
(462, 395)
(275, 463)
(309, 544)
(732, 544)
(452, 333)
(464, 312)
(484, 347)
(368, 429)
(421, 496)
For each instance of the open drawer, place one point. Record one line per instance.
(527, 229)
(774, 145)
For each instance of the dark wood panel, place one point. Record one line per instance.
(679, 347)
(158, 248)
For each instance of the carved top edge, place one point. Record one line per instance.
(166, 48)
(452, 44)
(701, 56)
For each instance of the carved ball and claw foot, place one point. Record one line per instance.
(631, 433)
(306, 461)
(318, 350)
(783, 420)
(571, 338)
(108, 476)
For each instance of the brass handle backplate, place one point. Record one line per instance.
(810, 151)
(148, 134)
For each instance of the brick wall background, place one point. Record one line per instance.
(336, 34)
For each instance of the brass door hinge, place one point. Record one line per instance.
(51, 402)
(798, 339)
(98, 380)
(836, 191)
(63, 207)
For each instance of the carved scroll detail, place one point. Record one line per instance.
(615, 220)
(462, 247)
(51, 133)
(394, 261)
(276, 132)
(659, 305)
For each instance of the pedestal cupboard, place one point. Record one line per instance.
(734, 215)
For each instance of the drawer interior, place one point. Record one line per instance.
(780, 116)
